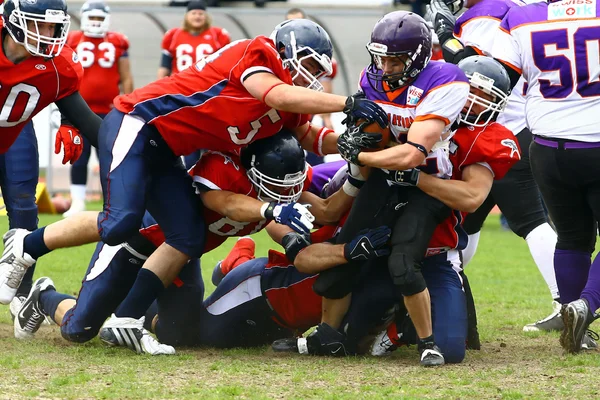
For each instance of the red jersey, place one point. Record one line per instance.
(187, 49)
(100, 60)
(207, 107)
(28, 87)
(492, 146)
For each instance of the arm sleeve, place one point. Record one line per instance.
(75, 111)
(166, 61)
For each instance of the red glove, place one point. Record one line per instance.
(72, 141)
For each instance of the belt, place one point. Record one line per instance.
(565, 144)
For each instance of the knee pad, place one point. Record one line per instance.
(78, 337)
(75, 331)
(405, 273)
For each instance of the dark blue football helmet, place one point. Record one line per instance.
(95, 19)
(399, 34)
(301, 39)
(489, 76)
(276, 166)
(21, 19)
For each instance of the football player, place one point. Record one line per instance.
(517, 195)
(422, 99)
(105, 60)
(561, 97)
(239, 197)
(270, 79)
(35, 71)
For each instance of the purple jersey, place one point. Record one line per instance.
(322, 174)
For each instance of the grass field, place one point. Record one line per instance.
(508, 290)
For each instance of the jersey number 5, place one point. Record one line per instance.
(23, 89)
(85, 51)
(234, 132)
(585, 64)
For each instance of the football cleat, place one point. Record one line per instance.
(13, 264)
(576, 317)
(323, 341)
(130, 333)
(590, 340)
(287, 345)
(383, 345)
(431, 355)
(30, 316)
(242, 251)
(552, 322)
(15, 306)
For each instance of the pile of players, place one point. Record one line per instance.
(383, 269)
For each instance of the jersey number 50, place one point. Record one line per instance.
(85, 51)
(586, 41)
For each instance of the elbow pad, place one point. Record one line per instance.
(294, 243)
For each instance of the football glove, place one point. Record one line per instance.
(442, 19)
(69, 137)
(359, 107)
(368, 244)
(409, 177)
(294, 215)
(355, 140)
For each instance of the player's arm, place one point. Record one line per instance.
(322, 256)
(463, 195)
(75, 112)
(327, 88)
(330, 210)
(125, 75)
(238, 207)
(422, 135)
(317, 139)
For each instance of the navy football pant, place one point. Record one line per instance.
(19, 173)
(139, 171)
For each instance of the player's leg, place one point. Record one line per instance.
(519, 198)
(472, 226)
(173, 203)
(126, 151)
(237, 313)
(565, 178)
(448, 304)
(110, 274)
(410, 238)
(79, 173)
(20, 173)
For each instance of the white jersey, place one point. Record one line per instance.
(477, 28)
(439, 92)
(556, 47)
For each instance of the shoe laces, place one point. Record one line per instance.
(15, 275)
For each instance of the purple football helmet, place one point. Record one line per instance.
(399, 34)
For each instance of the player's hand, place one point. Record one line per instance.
(409, 177)
(441, 17)
(294, 215)
(368, 244)
(359, 107)
(69, 137)
(294, 243)
(354, 140)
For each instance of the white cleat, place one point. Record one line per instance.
(13, 264)
(31, 316)
(552, 322)
(382, 345)
(130, 332)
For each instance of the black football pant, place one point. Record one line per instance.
(517, 195)
(411, 214)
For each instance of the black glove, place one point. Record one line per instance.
(293, 243)
(409, 177)
(441, 18)
(359, 107)
(355, 140)
(368, 244)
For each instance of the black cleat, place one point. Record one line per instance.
(431, 355)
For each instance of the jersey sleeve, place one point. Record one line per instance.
(167, 42)
(260, 56)
(223, 38)
(445, 97)
(217, 171)
(496, 148)
(70, 73)
(292, 121)
(506, 47)
(479, 33)
(124, 45)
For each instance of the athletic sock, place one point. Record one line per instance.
(145, 290)
(34, 245)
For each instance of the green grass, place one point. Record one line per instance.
(509, 292)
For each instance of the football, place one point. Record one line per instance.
(375, 128)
